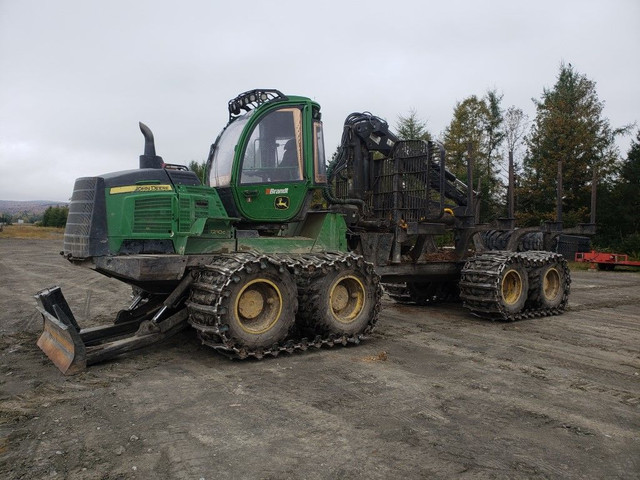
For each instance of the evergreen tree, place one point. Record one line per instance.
(618, 221)
(411, 127)
(569, 129)
(494, 128)
(55, 217)
(627, 190)
(46, 218)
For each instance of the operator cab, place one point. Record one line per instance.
(269, 157)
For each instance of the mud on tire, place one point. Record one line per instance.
(255, 308)
(343, 301)
(513, 288)
(547, 286)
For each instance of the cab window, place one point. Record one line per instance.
(225, 147)
(273, 153)
(320, 167)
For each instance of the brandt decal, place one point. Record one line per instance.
(277, 191)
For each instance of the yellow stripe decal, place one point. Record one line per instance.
(140, 188)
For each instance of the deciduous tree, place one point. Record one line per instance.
(478, 124)
(198, 168)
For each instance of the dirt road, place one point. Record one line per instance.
(434, 393)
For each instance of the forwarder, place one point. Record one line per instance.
(278, 253)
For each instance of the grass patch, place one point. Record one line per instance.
(579, 265)
(31, 231)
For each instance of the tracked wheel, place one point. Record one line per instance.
(343, 301)
(552, 281)
(514, 284)
(261, 306)
(249, 303)
(549, 286)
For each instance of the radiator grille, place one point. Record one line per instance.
(192, 208)
(152, 215)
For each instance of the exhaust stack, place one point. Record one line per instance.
(149, 159)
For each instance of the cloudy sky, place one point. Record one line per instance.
(77, 75)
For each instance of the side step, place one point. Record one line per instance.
(72, 348)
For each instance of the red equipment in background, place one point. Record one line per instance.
(604, 260)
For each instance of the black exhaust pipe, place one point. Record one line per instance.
(149, 159)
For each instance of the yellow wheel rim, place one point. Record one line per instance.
(511, 287)
(346, 299)
(551, 284)
(258, 306)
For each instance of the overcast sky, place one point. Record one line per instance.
(77, 76)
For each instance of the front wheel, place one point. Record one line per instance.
(260, 306)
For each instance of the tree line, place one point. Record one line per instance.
(55, 217)
(51, 217)
(569, 133)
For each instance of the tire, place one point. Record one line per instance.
(343, 302)
(496, 239)
(503, 240)
(549, 291)
(531, 241)
(513, 288)
(490, 239)
(261, 305)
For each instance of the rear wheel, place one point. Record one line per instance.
(514, 285)
(551, 287)
(343, 302)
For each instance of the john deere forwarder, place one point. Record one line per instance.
(280, 253)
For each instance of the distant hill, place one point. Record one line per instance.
(32, 207)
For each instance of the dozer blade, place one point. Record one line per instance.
(72, 349)
(60, 338)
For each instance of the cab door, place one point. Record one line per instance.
(270, 184)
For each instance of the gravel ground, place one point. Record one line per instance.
(433, 393)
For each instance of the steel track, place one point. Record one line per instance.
(480, 283)
(208, 316)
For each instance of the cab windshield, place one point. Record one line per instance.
(222, 161)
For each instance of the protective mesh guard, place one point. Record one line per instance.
(402, 183)
(78, 229)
